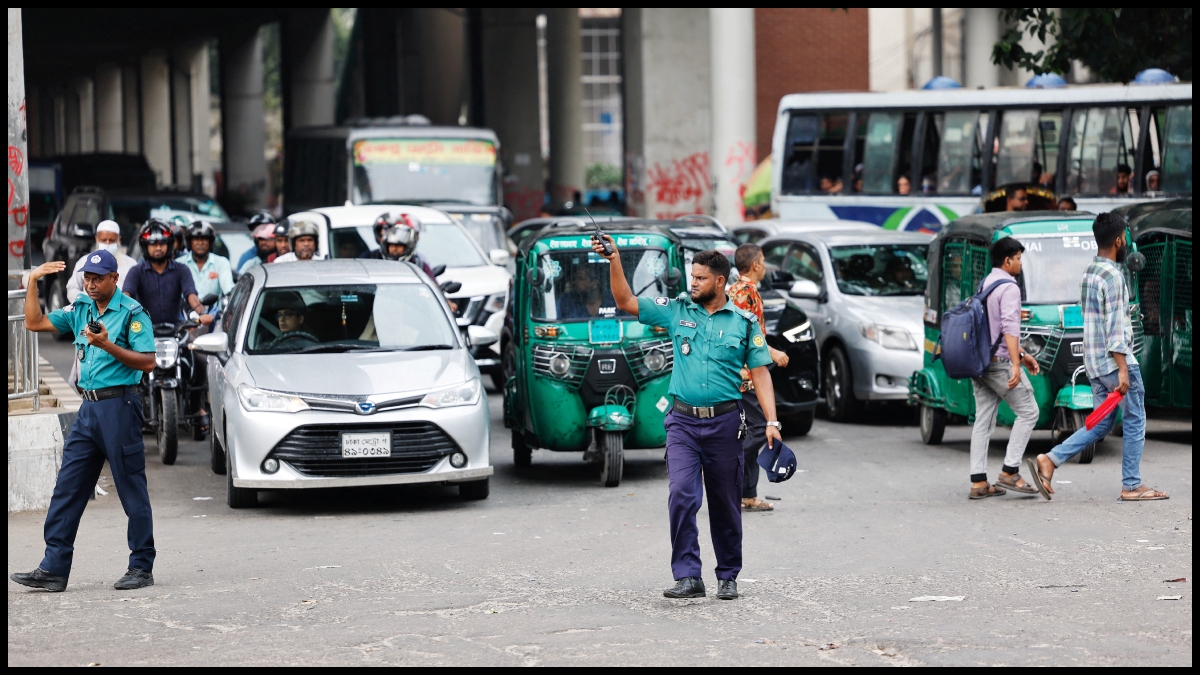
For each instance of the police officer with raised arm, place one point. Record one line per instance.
(114, 342)
(712, 340)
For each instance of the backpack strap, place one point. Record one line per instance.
(985, 292)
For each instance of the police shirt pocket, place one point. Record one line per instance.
(134, 457)
(683, 334)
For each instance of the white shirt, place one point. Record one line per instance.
(290, 256)
(75, 283)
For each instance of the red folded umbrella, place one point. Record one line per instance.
(1104, 410)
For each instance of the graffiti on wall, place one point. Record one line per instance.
(680, 188)
(18, 207)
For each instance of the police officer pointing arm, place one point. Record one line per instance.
(712, 340)
(114, 342)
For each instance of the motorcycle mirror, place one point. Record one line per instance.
(209, 300)
(438, 270)
(1136, 261)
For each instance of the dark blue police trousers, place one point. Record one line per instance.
(705, 455)
(104, 430)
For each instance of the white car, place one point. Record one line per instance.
(485, 279)
(344, 373)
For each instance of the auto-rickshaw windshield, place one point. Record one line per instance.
(880, 269)
(575, 284)
(1053, 265)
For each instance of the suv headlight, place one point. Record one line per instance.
(801, 333)
(166, 353)
(261, 400)
(466, 393)
(495, 303)
(889, 337)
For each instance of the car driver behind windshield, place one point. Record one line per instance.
(900, 273)
(289, 310)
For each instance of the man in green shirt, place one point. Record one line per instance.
(114, 342)
(712, 341)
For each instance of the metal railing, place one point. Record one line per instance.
(22, 352)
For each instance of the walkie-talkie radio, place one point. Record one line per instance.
(599, 235)
(95, 326)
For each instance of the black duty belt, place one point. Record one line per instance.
(105, 393)
(705, 412)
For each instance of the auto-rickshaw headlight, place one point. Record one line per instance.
(1032, 344)
(560, 364)
(655, 360)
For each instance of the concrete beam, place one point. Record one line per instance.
(131, 108)
(565, 89)
(734, 151)
(442, 62)
(982, 32)
(197, 58)
(59, 104)
(110, 130)
(308, 66)
(242, 121)
(181, 116)
(72, 119)
(156, 115)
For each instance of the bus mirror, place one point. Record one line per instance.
(1136, 261)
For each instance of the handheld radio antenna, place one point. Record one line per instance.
(598, 237)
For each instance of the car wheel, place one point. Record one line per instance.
(236, 497)
(933, 424)
(475, 490)
(522, 453)
(168, 426)
(839, 386)
(217, 453)
(612, 456)
(800, 424)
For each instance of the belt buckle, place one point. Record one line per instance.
(704, 413)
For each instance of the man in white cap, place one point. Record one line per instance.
(108, 238)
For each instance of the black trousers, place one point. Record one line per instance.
(756, 428)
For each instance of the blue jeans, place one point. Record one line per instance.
(1133, 415)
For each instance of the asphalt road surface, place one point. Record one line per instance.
(554, 569)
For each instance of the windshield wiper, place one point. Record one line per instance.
(424, 348)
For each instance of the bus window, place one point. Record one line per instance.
(831, 151)
(799, 146)
(1177, 150)
(958, 165)
(879, 153)
(1017, 141)
(1049, 128)
(1100, 151)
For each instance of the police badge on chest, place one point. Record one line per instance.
(686, 347)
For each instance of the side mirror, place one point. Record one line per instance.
(451, 287)
(805, 290)
(674, 278)
(499, 256)
(481, 336)
(209, 300)
(438, 270)
(211, 343)
(535, 277)
(781, 279)
(1136, 261)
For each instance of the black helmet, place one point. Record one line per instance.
(260, 218)
(156, 231)
(201, 230)
(281, 230)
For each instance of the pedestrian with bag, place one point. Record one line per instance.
(1110, 364)
(114, 342)
(712, 339)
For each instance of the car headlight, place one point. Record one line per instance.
(261, 400)
(560, 364)
(889, 337)
(466, 393)
(1032, 344)
(655, 360)
(166, 353)
(495, 303)
(801, 333)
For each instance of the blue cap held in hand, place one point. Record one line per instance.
(100, 262)
(779, 462)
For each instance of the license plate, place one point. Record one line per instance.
(367, 444)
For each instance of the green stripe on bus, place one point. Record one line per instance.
(893, 221)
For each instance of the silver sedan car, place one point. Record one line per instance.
(344, 373)
(864, 291)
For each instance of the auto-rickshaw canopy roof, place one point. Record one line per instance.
(1171, 218)
(573, 227)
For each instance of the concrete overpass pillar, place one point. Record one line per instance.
(110, 131)
(18, 177)
(308, 66)
(59, 105)
(734, 152)
(195, 57)
(442, 64)
(156, 115)
(982, 27)
(668, 135)
(72, 119)
(131, 108)
(244, 135)
(510, 93)
(565, 89)
(181, 119)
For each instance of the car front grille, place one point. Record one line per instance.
(316, 449)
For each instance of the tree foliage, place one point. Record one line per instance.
(1115, 44)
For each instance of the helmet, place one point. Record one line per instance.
(400, 234)
(202, 230)
(281, 230)
(156, 231)
(260, 218)
(302, 228)
(264, 231)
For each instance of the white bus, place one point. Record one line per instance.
(915, 160)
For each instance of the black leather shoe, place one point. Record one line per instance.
(135, 577)
(687, 587)
(40, 578)
(726, 589)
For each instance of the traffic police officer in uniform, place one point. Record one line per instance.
(114, 342)
(712, 340)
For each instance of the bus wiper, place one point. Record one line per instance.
(424, 348)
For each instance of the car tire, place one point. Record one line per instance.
(612, 457)
(800, 424)
(217, 453)
(839, 386)
(167, 433)
(933, 424)
(475, 490)
(236, 497)
(522, 453)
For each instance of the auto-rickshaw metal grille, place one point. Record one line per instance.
(636, 355)
(1150, 288)
(579, 355)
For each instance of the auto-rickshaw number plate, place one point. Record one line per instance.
(604, 330)
(367, 444)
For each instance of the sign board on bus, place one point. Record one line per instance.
(462, 152)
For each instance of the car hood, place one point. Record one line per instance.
(353, 374)
(903, 311)
(479, 280)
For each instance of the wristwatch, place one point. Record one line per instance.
(777, 425)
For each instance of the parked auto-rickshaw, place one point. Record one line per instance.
(581, 370)
(1059, 246)
(1162, 233)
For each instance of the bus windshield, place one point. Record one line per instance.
(575, 283)
(423, 171)
(1052, 266)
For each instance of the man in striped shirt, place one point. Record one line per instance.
(1110, 363)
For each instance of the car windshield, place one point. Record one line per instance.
(440, 244)
(424, 170)
(345, 318)
(1052, 266)
(484, 229)
(575, 284)
(880, 269)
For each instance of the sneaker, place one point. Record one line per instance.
(135, 577)
(40, 578)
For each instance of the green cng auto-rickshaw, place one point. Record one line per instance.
(581, 370)
(1059, 246)
(1162, 232)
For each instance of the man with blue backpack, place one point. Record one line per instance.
(980, 338)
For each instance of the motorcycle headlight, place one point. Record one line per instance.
(1032, 344)
(166, 353)
(655, 360)
(495, 303)
(261, 400)
(466, 393)
(560, 364)
(801, 333)
(889, 337)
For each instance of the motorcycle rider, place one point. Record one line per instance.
(108, 238)
(158, 282)
(303, 237)
(264, 247)
(282, 245)
(399, 240)
(211, 273)
(379, 227)
(256, 222)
